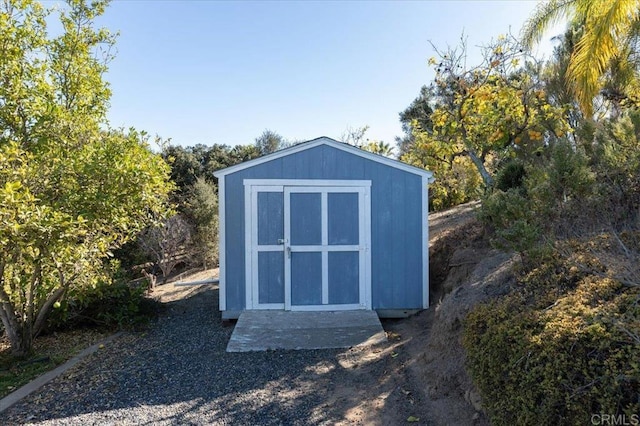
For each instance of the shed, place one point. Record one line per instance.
(323, 226)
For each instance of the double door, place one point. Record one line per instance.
(309, 246)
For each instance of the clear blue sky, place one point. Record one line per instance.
(222, 72)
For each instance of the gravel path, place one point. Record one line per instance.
(179, 373)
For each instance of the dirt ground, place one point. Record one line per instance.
(418, 376)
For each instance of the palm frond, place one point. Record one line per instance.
(546, 14)
(607, 22)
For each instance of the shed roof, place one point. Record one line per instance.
(323, 140)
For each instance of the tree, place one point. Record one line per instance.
(71, 189)
(610, 32)
(196, 199)
(168, 243)
(201, 207)
(379, 147)
(354, 136)
(269, 141)
(492, 111)
(416, 117)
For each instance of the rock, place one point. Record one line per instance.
(473, 398)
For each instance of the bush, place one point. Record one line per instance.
(113, 305)
(513, 220)
(561, 348)
(511, 175)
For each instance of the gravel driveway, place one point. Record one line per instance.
(179, 373)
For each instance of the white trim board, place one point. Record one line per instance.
(279, 183)
(424, 221)
(222, 246)
(334, 144)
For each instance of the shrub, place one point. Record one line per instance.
(511, 175)
(113, 305)
(513, 220)
(561, 348)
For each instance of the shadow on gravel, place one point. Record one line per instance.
(178, 372)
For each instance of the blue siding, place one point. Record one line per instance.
(396, 220)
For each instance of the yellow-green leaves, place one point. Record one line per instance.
(71, 190)
(609, 29)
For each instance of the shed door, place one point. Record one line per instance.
(325, 248)
(311, 249)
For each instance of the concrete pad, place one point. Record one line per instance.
(265, 330)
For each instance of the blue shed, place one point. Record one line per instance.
(323, 226)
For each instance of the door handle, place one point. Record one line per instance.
(281, 240)
(288, 252)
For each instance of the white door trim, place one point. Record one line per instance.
(324, 187)
(363, 248)
(251, 242)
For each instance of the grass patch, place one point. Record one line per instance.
(48, 352)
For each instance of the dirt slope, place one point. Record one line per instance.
(464, 271)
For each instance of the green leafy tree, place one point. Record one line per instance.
(71, 190)
(201, 207)
(416, 117)
(196, 198)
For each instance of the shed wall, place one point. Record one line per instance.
(396, 221)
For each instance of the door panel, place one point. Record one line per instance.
(306, 278)
(344, 277)
(342, 212)
(270, 277)
(305, 213)
(326, 248)
(270, 218)
(266, 273)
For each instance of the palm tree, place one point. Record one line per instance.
(610, 32)
(379, 147)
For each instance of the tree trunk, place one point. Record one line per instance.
(19, 337)
(486, 177)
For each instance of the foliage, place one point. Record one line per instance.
(71, 189)
(540, 200)
(416, 117)
(511, 175)
(201, 207)
(457, 182)
(562, 347)
(196, 200)
(605, 48)
(270, 141)
(379, 147)
(190, 163)
(492, 112)
(113, 304)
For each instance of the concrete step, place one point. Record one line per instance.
(270, 330)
